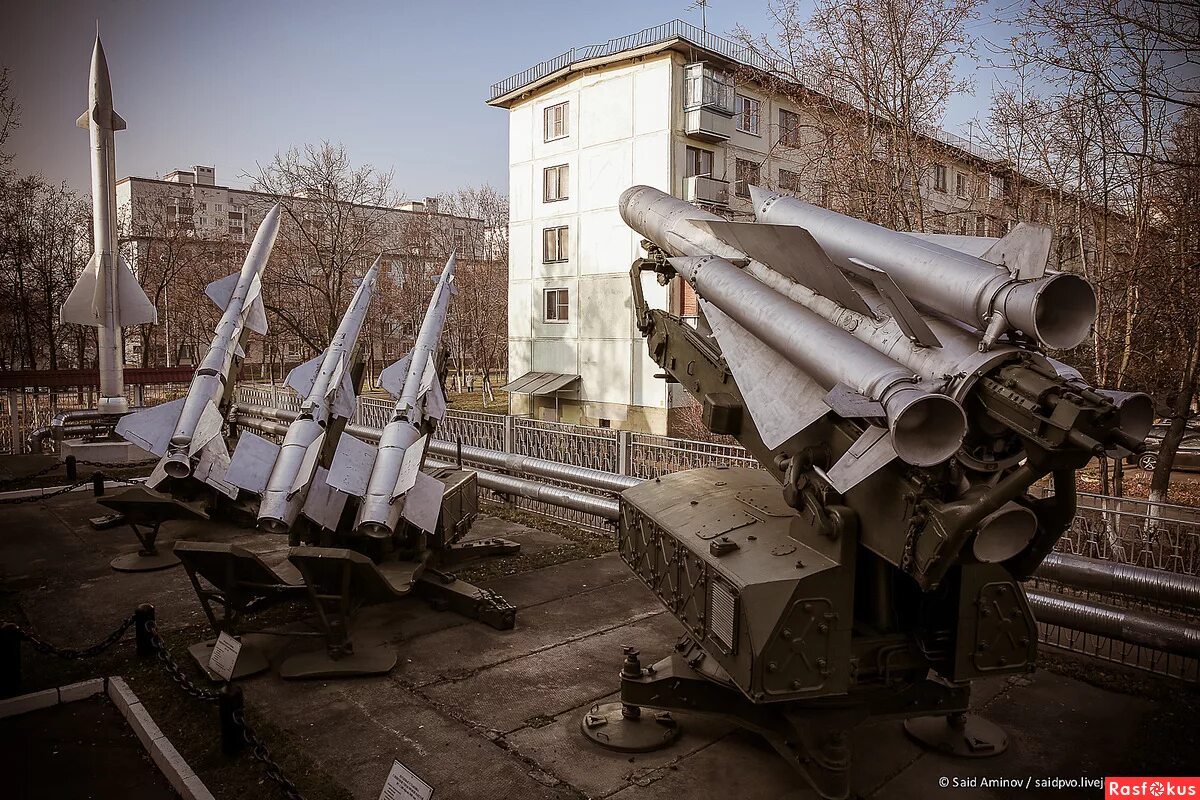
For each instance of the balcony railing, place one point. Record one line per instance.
(703, 189)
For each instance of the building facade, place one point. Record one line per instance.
(678, 109)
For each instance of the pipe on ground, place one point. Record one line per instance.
(1126, 625)
(1142, 583)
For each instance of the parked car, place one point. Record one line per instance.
(1187, 457)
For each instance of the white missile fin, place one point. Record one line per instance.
(428, 378)
(207, 428)
(849, 404)
(391, 379)
(134, 306)
(350, 471)
(324, 504)
(85, 120)
(345, 401)
(157, 475)
(220, 291)
(899, 306)
(792, 251)
(435, 402)
(252, 462)
(212, 466)
(423, 503)
(308, 465)
(410, 465)
(238, 351)
(152, 429)
(870, 453)
(302, 377)
(1025, 251)
(118, 122)
(254, 315)
(781, 399)
(79, 307)
(335, 377)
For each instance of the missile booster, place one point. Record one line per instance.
(288, 477)
(387, 478)
(107, 296)
(895, 391)
(186, 433)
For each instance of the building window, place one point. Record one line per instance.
(556, 305)
(554, 183)
(960, 185)
(705, 86)
(939, 177)
(962, 226)
(790, 182)
(555, 243)
(981, 226)
(555, 121)
(747, 114)
(789, 128)
(698, 162)
(745, 173)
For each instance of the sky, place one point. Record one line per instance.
(401, 84)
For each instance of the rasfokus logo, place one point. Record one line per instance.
(1151, 787)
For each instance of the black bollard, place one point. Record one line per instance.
(143, 617)
(230, 701)
(98, 484)
(72, 470)
(459, 440)
(10, 660)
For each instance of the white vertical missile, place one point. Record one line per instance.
(388, 478)
(1056, 309)
(287, 476)
(107, 295)
(187, 432)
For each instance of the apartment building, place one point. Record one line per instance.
(660, 107)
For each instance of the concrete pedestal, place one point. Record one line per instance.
(106, 452)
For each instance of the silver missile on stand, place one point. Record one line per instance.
(186, 433)
(288, 477)
(107, 296)
(388, 479)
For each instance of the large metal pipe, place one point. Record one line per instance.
(1057, 309)
(927, 427)
(1141, 583)
(1126, 625)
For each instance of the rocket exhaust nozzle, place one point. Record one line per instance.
(1004, 533)
(926, 428)
(177, 465)
(1057, 310)
(375, 530)
(272, 525)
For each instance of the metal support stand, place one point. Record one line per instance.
(445, 592)
(623, 726)
(147, 558)
(961, 735)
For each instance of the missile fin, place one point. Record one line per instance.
(391, 379)
(423, 504)
(212, 466)
(118, 122)
(157, 475)
(220, 291)
(335, 377)
(252, 462)
(308, 465)
(152, 429)
(345, 400)
(302, 377)
(870, 453)
(207, 429)
(134, 306)
(350, 471)
(1025, 251)
(849, 404)
(765, 378)
(435, 402)
(324, 504)
(901, 308)
(79, 307)
(790, 250)
(410, 465)
(428, 378)
(254, 315)
(85, 120)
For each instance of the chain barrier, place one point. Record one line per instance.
(71, 653)
(130, 465)
(261, 753)
(21, 479)
(35, 498)
(173, 670)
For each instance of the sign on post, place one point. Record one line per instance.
(403, 784)
(224, 656)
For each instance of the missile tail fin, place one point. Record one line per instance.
(207, 428)
(212, 465)
(118, 122)
(1025, 251)
(135, 307)
(151, 429)
(252, 462)
(391, 378)
(792, 251)
(85, 120)
(302, 377)
(900, 307)
(763, 377)
(80, 307)
(435, 402)
(254, 314)
(308, 465)
(410, 465)
(221, 290)
(346, 399)
(870, 453)
(849, 404)
(350, 471)
(324, 504)
(423, 503)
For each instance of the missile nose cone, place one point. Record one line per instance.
(271, 220)
(627, 202)
(759, 196)
(101, 85)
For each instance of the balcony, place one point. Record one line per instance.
(707, 125)
(706, 190)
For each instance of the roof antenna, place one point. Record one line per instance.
(703, 6)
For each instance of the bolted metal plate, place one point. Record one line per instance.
(607, 725)
(724, 523)
(767, 500)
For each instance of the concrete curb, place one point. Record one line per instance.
(162, 752)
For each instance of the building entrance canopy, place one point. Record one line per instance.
(541, 384)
